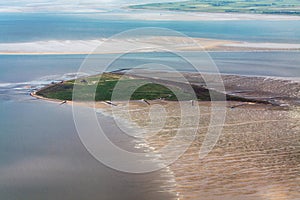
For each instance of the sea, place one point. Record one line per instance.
(41, 156)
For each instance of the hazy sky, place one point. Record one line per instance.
(67, 5)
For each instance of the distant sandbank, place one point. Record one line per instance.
(142, 44)
(192, 16)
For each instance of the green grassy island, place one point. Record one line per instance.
(101, 88)
(279, 7)
(105, 86)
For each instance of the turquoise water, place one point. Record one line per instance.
(32, 27)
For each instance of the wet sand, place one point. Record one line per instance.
(256, 157)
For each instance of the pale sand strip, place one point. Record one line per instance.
(264, 45)
(33, 94)
(162, 15)
(142, 44)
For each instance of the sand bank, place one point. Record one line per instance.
(142, 44)
(190, 16)
(255, 156)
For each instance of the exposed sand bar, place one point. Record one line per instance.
(190, 16)
(264, 45)
(141, 44)
(256, 156)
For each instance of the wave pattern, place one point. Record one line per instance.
(256, 157)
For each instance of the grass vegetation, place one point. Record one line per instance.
(85, 87)
(101, 88)
(283, 7)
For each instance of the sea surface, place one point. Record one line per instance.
(41, 156)
(35, 27)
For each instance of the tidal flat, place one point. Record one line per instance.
(256, 155)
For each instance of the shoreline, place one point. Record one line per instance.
(34, 95)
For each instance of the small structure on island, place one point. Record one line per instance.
(64, 102)
(84, 81)
(110, 103)
(193, 102)
(145, 101)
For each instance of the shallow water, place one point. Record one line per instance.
(14, 27)
(41, 156)
(20, 68)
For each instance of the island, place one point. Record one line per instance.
(100, 88)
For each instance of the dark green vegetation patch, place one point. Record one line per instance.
(103, 87)
(286, 7)
(85, 87)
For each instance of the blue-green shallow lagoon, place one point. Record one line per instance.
(36, 27)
